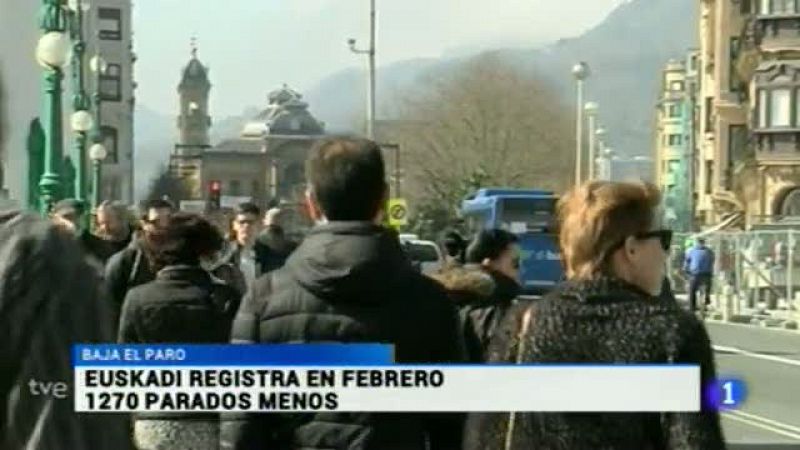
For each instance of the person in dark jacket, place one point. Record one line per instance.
(606, 312)
(68, 214)
(130, 267)
(348, 282)
(485, 288)
(113, 226)
(245, 257)
(49, 300)
(455, 247)
(274, 244)
(184, 304)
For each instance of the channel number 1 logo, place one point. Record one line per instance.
(731, 393)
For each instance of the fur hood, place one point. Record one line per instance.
(467, 284)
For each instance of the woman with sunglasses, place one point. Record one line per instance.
(614, 252)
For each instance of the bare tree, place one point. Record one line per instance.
(484, 124)
(166, 185)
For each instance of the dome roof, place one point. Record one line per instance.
(286, 113)
(195, 73)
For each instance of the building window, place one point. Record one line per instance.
(709, 177)
(763, 101)
(673, 111)
(110, 141)
(674, 140)
(111, 83)
(780, 108)
(737, 150)
(235, 188)
(746, 7)
(733, 76)
(110, 24)
(709, 114)
(254, 189)
(767, 7)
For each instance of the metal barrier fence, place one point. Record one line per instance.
(759, 269)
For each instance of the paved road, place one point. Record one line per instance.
(769, 363)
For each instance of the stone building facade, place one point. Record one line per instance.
(264, 164)
(749, 135)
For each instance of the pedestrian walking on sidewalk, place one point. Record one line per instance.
(699, 266)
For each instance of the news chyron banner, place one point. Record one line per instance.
(356, 377)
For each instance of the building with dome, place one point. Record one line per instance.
(263, 164)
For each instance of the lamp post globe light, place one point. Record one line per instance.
(82, 121)
(581, 72)
(99, 66)
(52, 53)
(97, 153)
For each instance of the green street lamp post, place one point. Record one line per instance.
(98, 65)
(81, 119)
(52, 54)
(97, 153)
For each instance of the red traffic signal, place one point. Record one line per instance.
(216, 186)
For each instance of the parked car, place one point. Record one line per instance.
(425, 255)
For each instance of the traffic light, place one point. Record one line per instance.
(214, 194)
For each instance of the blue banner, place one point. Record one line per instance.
(231, 355)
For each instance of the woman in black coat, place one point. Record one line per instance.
(184, 304)
(608, 311)
(484, 289)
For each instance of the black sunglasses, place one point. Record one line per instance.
(664, 236)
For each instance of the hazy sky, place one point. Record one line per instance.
(253, 46)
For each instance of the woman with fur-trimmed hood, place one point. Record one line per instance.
(484, 289)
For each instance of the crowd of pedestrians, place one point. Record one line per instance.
(173, 277)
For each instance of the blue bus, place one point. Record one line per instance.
(530, 214)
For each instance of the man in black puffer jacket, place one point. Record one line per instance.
(348, 282)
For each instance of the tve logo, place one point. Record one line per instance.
(727, 393)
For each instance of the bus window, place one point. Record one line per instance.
(535, 214)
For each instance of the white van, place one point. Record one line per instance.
(424, 253)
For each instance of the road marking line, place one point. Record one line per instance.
(738, 351)
(792, 428)
(756, 424)
(785, 331)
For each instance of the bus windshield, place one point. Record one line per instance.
(526, 214)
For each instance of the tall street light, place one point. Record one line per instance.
(581, 72)
(52, 53)
(599, 143)
(98, 65)
(97, 153)
(591, 109)
(81, 120)
(370, 52)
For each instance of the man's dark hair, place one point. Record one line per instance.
(247, 208)
(184, 239)
(347, 178)
(454, 244)
(489, 244)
